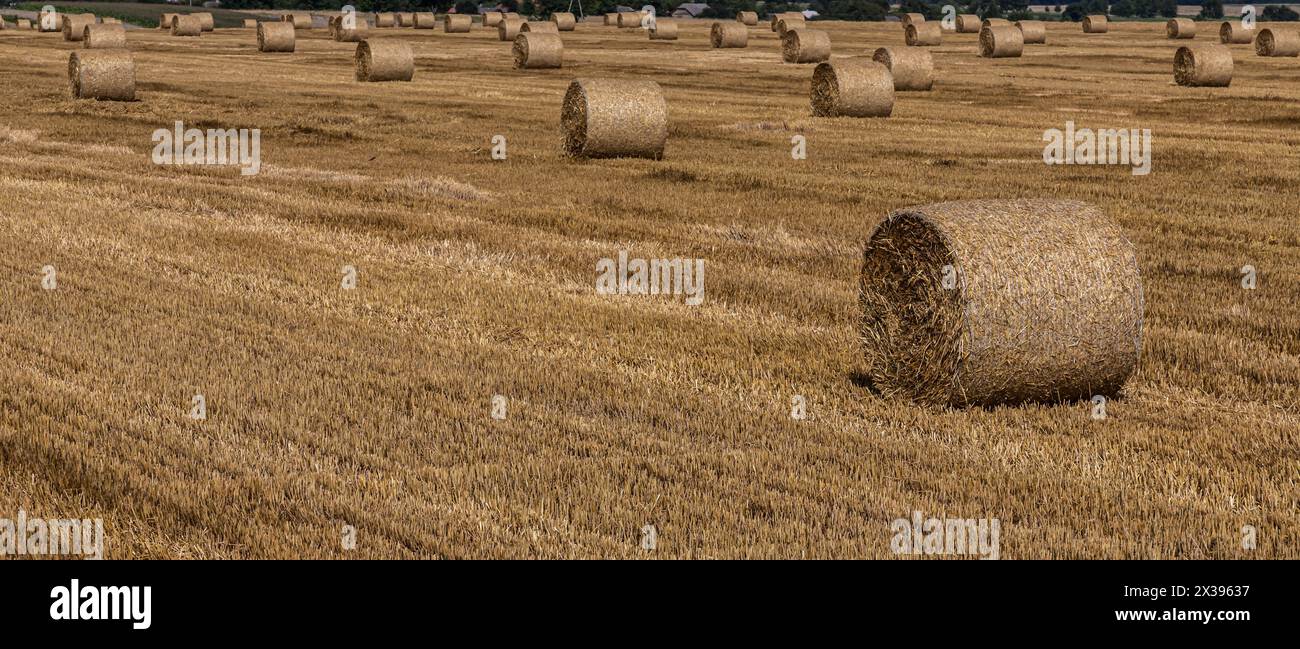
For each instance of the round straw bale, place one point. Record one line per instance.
(509, 28)
(923, 34)
(491, 18)
(101, 37)
(352, 35)
(512, 14)
(165, 21)
(990, 302)
(539, 27)
(405, 19)
(384, 60)
(187, 25)
(1181, 28)
(911, 68)
(535, 50)
(1282, 42)
(102, 74)
(611, 20)
(852, 88)
(74, 26)
(749, 18)
(994, 22)
(730, 34)
(276, 37)
(208, 23)
(1032, 31)
(665, 29)
(789, 16)
(24, 23)
(786, 24)
(629, 19)
(456, 23)
(614, 118)
(1232, 33)
(386, 19)
(912, 19)
(1203, 65)
(250, 23)
(805, 46)
(1097, 24)
(426, 20)
(969, 24)
(564, 21)
(1001, 42)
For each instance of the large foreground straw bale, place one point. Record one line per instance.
(1032, 31)
(1097, 24)
(912, 68)
(104, 37)
(923, 34)
(852, 88)
(1231, 32)
(1001, 42)
(276, 37)
(1279, 42)
(1203, 65)
(665, 29)
(611, 118)
(537, 50)
(102, 74)
(74, 26)
(456, 24)
(1180, 28)
(509, 28)
(993, 302)
(427, 20)
(564, 21)
(749, 18)
(805, 46)
(729, 34)
(969, 24)
(384, 60)
(208, 22)
(187, 25)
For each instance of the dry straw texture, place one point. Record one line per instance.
(102, 74)
(912, 69)
(24, 23)
(789, 16)
(165, 21)
(805, 46)
(923, 34)
(969, 24)
(629, 19)
(536, 50)
(456, 24)
(99, 37)
(749, 18)
(276, 37)
(1180, 28)
(427, 20)
(109, 20)
(539, 27)
(74, 26)
(1277, 42)
(611, 20)
(1001, 42)
(208, 23)
(614, 118)
(384, 60)
(1032, 31)
(1095, 24)
(913, 19)
(1203, 65)
(492, 18)
(1233, 33)
(992, 302)
(407, 19)
(994, 22)
(355, 35)
(665, 29)
(250, 23)
(852, 88)
(187, 25)
(728, 34)
(788, 23)
(509, 28)
(386, 19)
(564, 21)
(299, 21)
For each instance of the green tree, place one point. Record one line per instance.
(1212, 9)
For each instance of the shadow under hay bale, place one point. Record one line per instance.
(276, 37)
(1180, 28)
(384, 60)
(1001, 42)
(912, 69)
(728, 35)
(1281, 42)
(852, 88)
(1203, 65)
(614, 118)
(102, 74)
(104, 37)
(805, 46)
(993, 302)
(538, 50)
(923, 34)
(1032, 31)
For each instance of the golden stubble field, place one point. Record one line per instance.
(371, 407)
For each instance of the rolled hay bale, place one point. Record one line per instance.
(509, 28)
(539, 27)
(187, 25)
(852, 88)
(1096, 24)
(969, 24)
(786, 24)
(923, 34)
(911, 68)
(276, 37)
(991, 302)
(102, 74)
(208, 23)
(1277, 43)
(1001, 42)
(74, 26)
(104, 37)
(165, 21)
(406, 19)
(665, 29)
(994, 22)
(1232, 33)
(537, 50)
(456, 24)
(352, 35)
(912, 19)
(1032, 31)
(491, 18)
(749, 18)
(1203, 65)
(299, 21)
(611, 20)
(511, 14)
(614, 118)
(1181, 28)
(564, 21)
(629, 19)
(427, 20)
(384, 60)
(791, 15)
(250, 23)
(386, 19)
(24, 23)
(728, 35)
(805, 46)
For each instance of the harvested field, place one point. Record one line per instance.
(372, 407)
